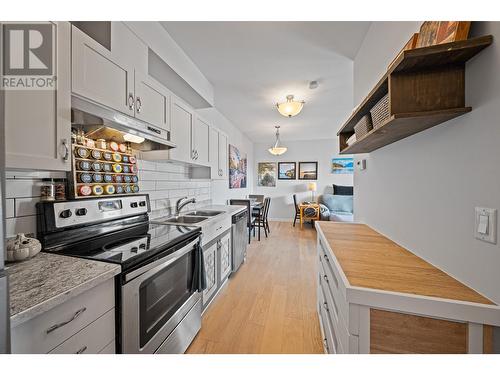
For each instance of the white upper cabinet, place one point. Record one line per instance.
(200, 141)
(38, 122)
(182, 117)
(152, 101)
(223, 156)
(128, 48)
(218, 154)
(98, 77)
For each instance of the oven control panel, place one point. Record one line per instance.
(94, 210)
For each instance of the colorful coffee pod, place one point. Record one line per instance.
(84, 165)
(82, 152)
(117, 168)
(132, 160)
(96, 166)
(133, 169)
(125, 159)
(109, 189)
(108, 156)
(113, 146)
(108, 178)
(86, 178)
(135, 188)
(118, 178)
(122, 147)
(135, 178)
(117, 157)
(119, 189)
(97, 177)
(128, 189)
(84, 190)
(127, 179)
(107, 167)
(96, 154)
(97, 190)
(126, 169)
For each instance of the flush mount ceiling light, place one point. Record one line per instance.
(132, 138)
(291, 107)
(277, 149)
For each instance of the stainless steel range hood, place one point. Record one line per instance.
(92, 116)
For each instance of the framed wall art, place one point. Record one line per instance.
(266, 174)
(308, 170)
(287, 170)
(237, 168)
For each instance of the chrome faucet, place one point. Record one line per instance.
(179, 204)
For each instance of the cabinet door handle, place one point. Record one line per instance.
(59, 325)
(81, 350)
(325, 344)
(154, 130)
(131, 101)
(64, 146)
(325, 305)
(138, 104)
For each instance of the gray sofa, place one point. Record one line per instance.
(336, 207)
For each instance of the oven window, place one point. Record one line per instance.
(161, 295)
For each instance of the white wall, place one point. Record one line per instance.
(220, 188)
(421, 191)
(321, 150)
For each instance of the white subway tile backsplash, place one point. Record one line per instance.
(33, 174)
(9, 208)
(22, 188)
(26, 224)
(26, 206)
(145, 186)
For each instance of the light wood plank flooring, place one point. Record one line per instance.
(269, 305)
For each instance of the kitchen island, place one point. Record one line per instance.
(376, 297)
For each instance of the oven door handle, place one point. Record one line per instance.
(152, 268)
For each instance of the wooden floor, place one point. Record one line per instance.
(269, 305)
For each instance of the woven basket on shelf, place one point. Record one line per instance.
(363, 126)
(380, 112)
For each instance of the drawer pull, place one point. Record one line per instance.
(325, 305)
(325, 345)
(326, 258)
(81, 350)
(59, 325)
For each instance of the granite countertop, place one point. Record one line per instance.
(228, 209)
(47, 280)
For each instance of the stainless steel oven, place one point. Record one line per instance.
(161, 311)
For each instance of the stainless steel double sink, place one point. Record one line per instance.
(193, 217)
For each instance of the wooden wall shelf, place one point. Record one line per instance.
(426, 87)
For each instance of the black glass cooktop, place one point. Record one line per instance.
(132, 245)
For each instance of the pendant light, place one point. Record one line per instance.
(291, 107)
(277, 149)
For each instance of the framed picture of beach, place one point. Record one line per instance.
(342, 165)
(266, 174)
(308, 170)
(287, 170)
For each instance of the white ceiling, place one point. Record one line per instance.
(252, 65)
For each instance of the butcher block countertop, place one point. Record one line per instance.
(370, 260)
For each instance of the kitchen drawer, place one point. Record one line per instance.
(349, 312)
(109, 349)
(347, 341)
(334, 346)
(39, 334)
(214, 228)
(92, 339)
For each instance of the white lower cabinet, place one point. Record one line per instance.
(38, 122)
(218, 261)
(85, 323)
(210, 255)
(225, 255)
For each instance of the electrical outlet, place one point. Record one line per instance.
(485, 224)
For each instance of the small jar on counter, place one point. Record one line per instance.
(47, 190)
(60, 189)
(101, 143)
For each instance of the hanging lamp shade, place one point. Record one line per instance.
(291, 107)
(277, 149)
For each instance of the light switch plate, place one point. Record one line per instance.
(491, 230)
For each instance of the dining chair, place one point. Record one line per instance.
(297, 209)
(258, 197)
(250, 218)
(261, 219)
